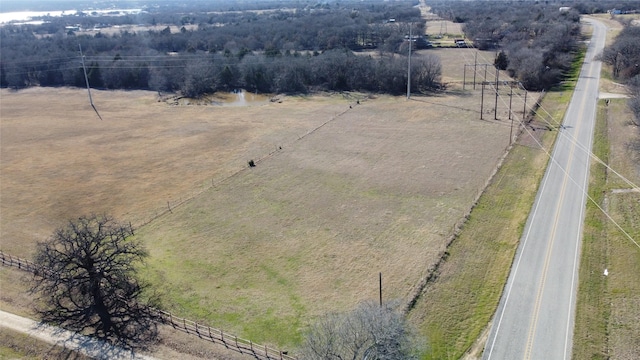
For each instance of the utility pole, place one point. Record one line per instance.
(475, 69)
(495, 110)
(510, 100)
(380, 289)
(524, 111)
(510, 118)
(86, 79)
(482, 101)
(464, 77)
(409, 65)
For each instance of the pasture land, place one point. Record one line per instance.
(376, 189)
(341, 192)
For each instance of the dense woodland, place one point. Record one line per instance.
(291, 46)
(296, 47)
(537, 41)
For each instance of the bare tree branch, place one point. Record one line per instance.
(92, 285)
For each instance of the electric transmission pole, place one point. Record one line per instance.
(409, 65)
(86, 79)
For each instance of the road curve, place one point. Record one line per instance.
(535, 317)
(90, 347)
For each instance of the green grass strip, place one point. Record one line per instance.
(593, 306)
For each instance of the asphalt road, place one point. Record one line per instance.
(535, 317)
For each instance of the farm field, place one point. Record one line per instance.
(341, 192)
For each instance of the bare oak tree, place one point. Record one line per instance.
(88, 281)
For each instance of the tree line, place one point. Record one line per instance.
(538, 42)
(623, 55)
(304, 48)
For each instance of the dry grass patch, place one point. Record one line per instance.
(623, 328)
(454, 61)
(60, 161)
(444, 27)
(308, 230)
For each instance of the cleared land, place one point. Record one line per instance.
(341, 192)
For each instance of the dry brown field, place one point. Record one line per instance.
(341, 192)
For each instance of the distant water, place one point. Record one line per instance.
(27, 16)
(21, 16)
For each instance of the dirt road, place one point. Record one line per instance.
(90, 347)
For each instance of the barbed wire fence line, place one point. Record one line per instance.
(204, 332)
(213, 183)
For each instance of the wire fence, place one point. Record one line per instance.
(230, 341)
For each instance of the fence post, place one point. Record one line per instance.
(211, 337)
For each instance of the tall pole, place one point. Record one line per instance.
(86, 79)
(524, 111)
(475, 69)
(510, 100)
(380, 289)
(464, 77)
(482, 101)
(495, 110)
(409, 65)
(510, 118)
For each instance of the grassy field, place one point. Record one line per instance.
(308, 230)
(341, 192)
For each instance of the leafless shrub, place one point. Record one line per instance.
(368, 332)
